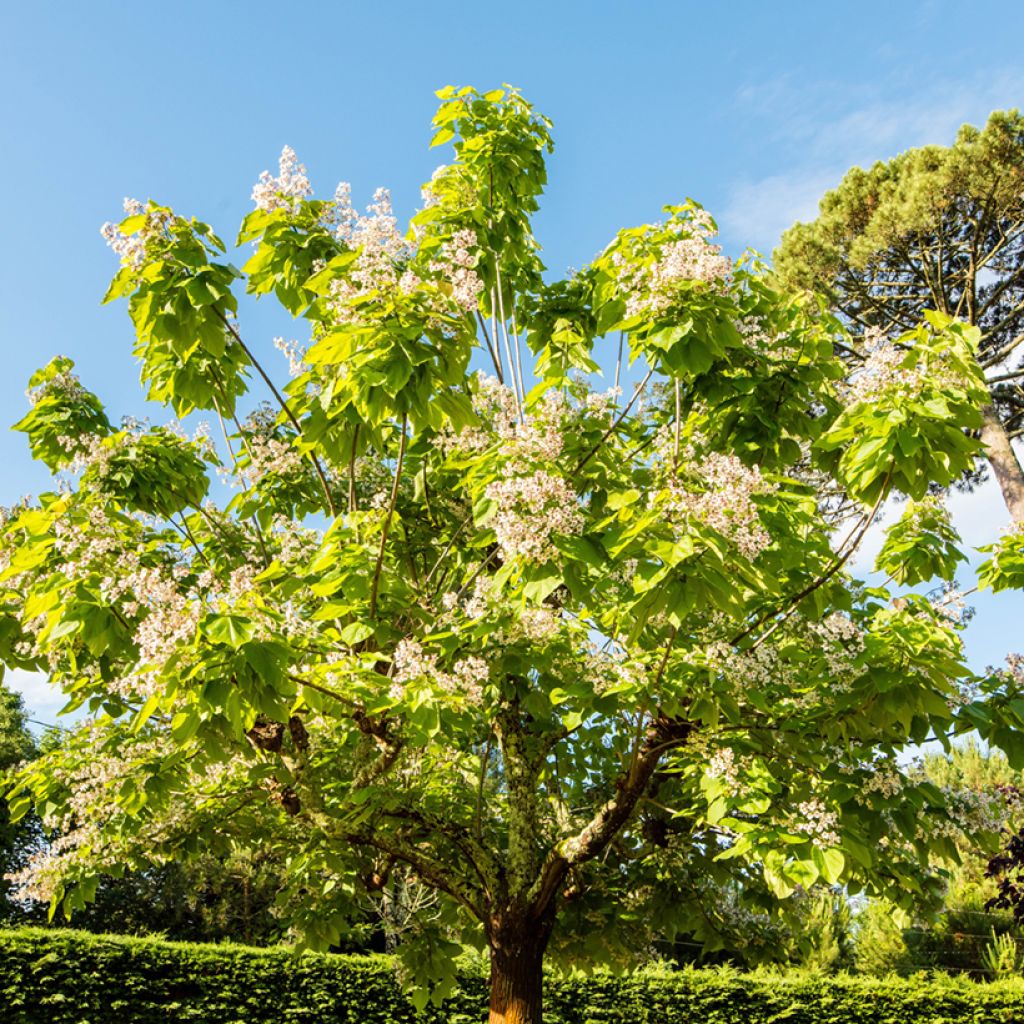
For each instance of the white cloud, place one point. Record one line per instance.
(42, 699)
(758, 212)
(819, 130)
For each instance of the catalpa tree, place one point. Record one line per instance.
(544, 652)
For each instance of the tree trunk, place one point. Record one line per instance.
(517, 980)
(1005, 464)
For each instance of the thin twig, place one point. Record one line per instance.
(840, 561)
(504, 334)
(238, 476)
(518, 348)
(284, 406)
(611, 430)
(187, 534)
(679, 416)
(478, 817)
(448, 547)
(618, 367)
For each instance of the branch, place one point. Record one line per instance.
(495, 354)
(997, 357)
(424, 866)
(490, 872)
(517, 385)
(611, 430)
(853, 542)
(284, 406)
(611, 817)
(387, 522)
(352, 503)
(444, 553)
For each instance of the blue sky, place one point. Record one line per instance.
(752, 109)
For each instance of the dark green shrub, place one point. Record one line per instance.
(65, 977)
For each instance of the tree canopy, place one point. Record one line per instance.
(938, 228)
(541, 649)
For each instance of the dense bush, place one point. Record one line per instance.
(75, 978)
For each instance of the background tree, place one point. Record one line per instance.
(937, 228)
(17, 839)
(955, 930)
(529, 646)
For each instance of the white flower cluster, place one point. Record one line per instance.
(885, 778)
(64, 385)
(537, 436)
(383, 251)
(412, 663)
(498, 413)
(651, 286)
(294, 353)
(89, 784)
(531, 508)
(818, 822)
(89, 781)
(951, 604)
(132, 248)
(724, 501)
(455, 263)
(87, 451)
(287, 189)
(138, 588)
(722, 765)
(606, 671)
(535, 624)
(842, 641)
(759, 339)
(171, 621)
(270, 455)
(1015, 666)
(969, 812)
(296, 543)
(882, 375)
(717, 761)
(756, 668)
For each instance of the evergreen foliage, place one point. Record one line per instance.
(72, 978)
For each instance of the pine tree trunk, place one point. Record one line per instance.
(1004, 462)
(517, 980)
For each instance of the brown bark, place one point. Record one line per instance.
(1004, 462)
(517, 960)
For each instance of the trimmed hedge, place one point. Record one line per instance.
(66, 977)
